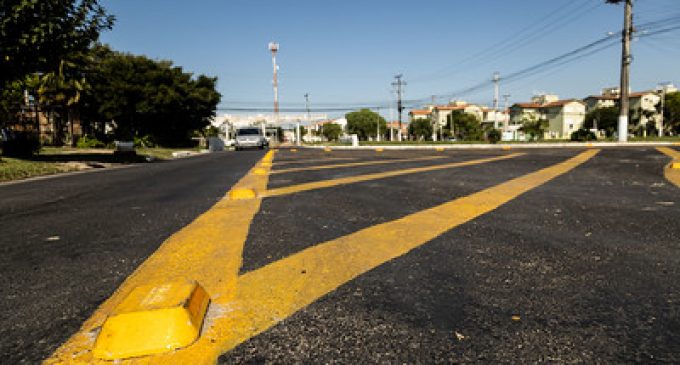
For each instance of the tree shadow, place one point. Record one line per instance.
(90, 158)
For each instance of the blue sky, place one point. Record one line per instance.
(347, 52)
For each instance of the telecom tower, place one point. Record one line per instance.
(274, 47)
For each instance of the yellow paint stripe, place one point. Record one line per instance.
(354, 164)
(208, 250)
(327, 159)
(273, 293)
(379, 175)
(672, 175)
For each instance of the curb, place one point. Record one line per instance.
(498, 146)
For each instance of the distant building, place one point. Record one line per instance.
(563, 116)
(416, 114)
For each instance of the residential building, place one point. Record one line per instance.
(563, 116)
(416, 114)
(600, 101)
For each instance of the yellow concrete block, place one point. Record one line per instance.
(293, 150)
(242, 194)
(153, 319)
(675, 165)
(506, 148)
(327, 149)
(259, 171)
(439, 149)
(379, 149)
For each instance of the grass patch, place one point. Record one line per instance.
(163, 153)
(15, 169)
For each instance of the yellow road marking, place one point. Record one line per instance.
(272, 293)
(379, 175)
(208, 250)
(327, 159)
(354, 164)
(672, 175)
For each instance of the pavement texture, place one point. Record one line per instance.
(581, 268)
(68, 242)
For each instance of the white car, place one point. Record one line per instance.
(250, 137)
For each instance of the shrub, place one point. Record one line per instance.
(20, 144)
(493, 136)
(583, 135)
(145, 141)
(90, 142)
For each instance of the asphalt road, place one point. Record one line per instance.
(584, 268)
(589, 263)
(68, 242)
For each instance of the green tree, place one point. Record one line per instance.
(493, 135)
(363, 123)
(421, 129)
(534, 127)
(671, 112)
(144, 97)
(466, 126)
(605, 118)
(331, 131)
(36, 36)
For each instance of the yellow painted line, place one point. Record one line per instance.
(379, 175)
(208, 250)
(315, 160)
(671, 174)
(266, 296)
(354, 164)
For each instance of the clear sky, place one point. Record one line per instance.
(346, 52)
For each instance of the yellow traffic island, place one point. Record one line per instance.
(672, 170)
(153, 320)
(672, 173)
(157, 314)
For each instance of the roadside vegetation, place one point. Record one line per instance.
(60, 87)
(16, 169)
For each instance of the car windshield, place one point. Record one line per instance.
(248, 132)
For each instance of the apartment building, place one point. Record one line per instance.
(563, 116)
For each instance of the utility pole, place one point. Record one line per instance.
(496, 89)
(309, 118)
(377, 135)
(391, 124)
(274, 47)
(400, 108)
(506, 97)
(625, 71)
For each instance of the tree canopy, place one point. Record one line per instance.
(36, 36)
(534, 127)
(466, 126)
(604, 118)
(331, 131)
(671, 112)
(363, 123)
(421, 128)
(146, 97)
